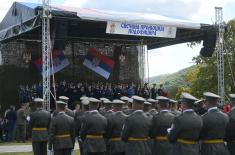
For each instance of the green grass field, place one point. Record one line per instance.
(14, 143)
(30, 153)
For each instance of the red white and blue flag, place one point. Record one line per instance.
(99, 63)
(59, 62)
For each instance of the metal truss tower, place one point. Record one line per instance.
(46, 49)
(220, 52)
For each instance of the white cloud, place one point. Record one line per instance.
(207, 9)
(171, 59)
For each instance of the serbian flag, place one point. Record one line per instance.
(99, 63)
(59, 62)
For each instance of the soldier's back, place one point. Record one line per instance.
(62, 132)
(160, 123)
(113, 133)
(185, 134)
(176, 112)
(69, 112)
(93, 128)
(136, 132)
(213, 133)
(230, 134)
(39, 123)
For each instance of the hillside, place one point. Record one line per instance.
(172, 81)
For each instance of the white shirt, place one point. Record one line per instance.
(232, 108)
(62, 112)
(213, 108)
(138, 111)
(187, 110)
(93, 111)
(165, 110)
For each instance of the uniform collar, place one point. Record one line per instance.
(118, 111)
(93, 111)
(188, 110)
(212, 108)
(232, 108)
(164, 110)
(62, 112)
(138, 111)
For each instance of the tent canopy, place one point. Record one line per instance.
(23, 22)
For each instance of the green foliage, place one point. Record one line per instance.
(173, 81)
(203, 76)
(206, 77)
(181, 90)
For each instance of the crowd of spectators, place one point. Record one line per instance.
(96, 89)
(9, 122)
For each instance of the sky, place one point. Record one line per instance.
(163, 60)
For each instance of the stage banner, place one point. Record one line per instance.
(140, 29)
(99, 63)
(59, 62)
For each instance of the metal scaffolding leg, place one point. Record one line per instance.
(46, 49)
(220, 52)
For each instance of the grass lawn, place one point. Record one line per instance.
(30, 153)
(14, 143)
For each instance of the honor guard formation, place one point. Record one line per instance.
(132, 126)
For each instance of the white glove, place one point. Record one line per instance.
(168, 130)
(28, 118)
(72, 152)
(50, 152)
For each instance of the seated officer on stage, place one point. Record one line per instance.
(214, 127)
(114, 128)
(185, 130)
(39, 122)
(230, 134)
(61, 133)
(93, 129)
(160, 123)
(136, 129)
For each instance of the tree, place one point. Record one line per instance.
(204, 77)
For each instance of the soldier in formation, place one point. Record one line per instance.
(116, 128)
(39, 122)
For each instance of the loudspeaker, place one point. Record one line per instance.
(209, 43)
(61, 34)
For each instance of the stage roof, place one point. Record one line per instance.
(23, 22)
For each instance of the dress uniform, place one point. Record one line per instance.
(61, 133)
(39, 122)
(136, 130)
(21, 124)
(185, 130)
(93, 129)
(114, 128)
(107, 108)
(160, 123)
(153, 111)
(174, 109)
(214, 127)
(230, 134)
(125, 107)
(67, 110)
(146, 109)
(78, 118)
